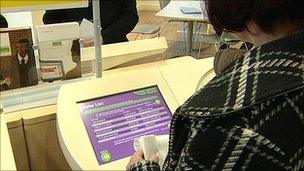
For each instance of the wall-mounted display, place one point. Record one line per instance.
(17, 59)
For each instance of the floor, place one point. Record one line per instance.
(173, 31)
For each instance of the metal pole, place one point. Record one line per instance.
(189, 38)
(97, 38)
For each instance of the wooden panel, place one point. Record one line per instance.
(42, 141)
(16, 133)
(19, 148)
(7, 161)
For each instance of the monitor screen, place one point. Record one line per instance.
(113, 122)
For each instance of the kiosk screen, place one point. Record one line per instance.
(113, 122)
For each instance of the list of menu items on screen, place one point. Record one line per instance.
(113, 122)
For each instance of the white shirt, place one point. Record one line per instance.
(26, 58)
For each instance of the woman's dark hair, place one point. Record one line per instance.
(76, 46)
(233, 15)
(75, 49)
(23, 41)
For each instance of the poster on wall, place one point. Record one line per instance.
(114, 122)
(17, 59)
(31, 5)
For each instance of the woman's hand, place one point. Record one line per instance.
(7, 81)
(139, 156)
(89, 42)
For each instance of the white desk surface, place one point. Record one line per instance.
(172, 11)
(176, 79)
(183, 77)
(181, 73)
(7, 156)
(120, 53)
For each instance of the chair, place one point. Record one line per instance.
(146, 29)
(217, 41)
(150, 29)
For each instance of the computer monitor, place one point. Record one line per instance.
(113, 122)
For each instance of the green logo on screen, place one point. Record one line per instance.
(106, 156)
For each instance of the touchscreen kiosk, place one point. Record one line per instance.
(98, 119)
(113, 122)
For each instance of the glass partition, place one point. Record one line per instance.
(61, 53)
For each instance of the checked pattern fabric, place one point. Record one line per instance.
(249, 117)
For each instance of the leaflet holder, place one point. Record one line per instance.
(55, 44)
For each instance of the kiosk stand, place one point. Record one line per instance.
(106, 119)
(98, 120)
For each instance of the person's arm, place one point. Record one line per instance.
(54, 16)
(137, 163)
(145, 165)
(65, 15)
(126, 23)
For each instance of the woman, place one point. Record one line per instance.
(251, 115)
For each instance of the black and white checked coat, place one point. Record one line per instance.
(250, 117)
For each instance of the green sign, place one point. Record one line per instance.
(4, 49)
(57, 43)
